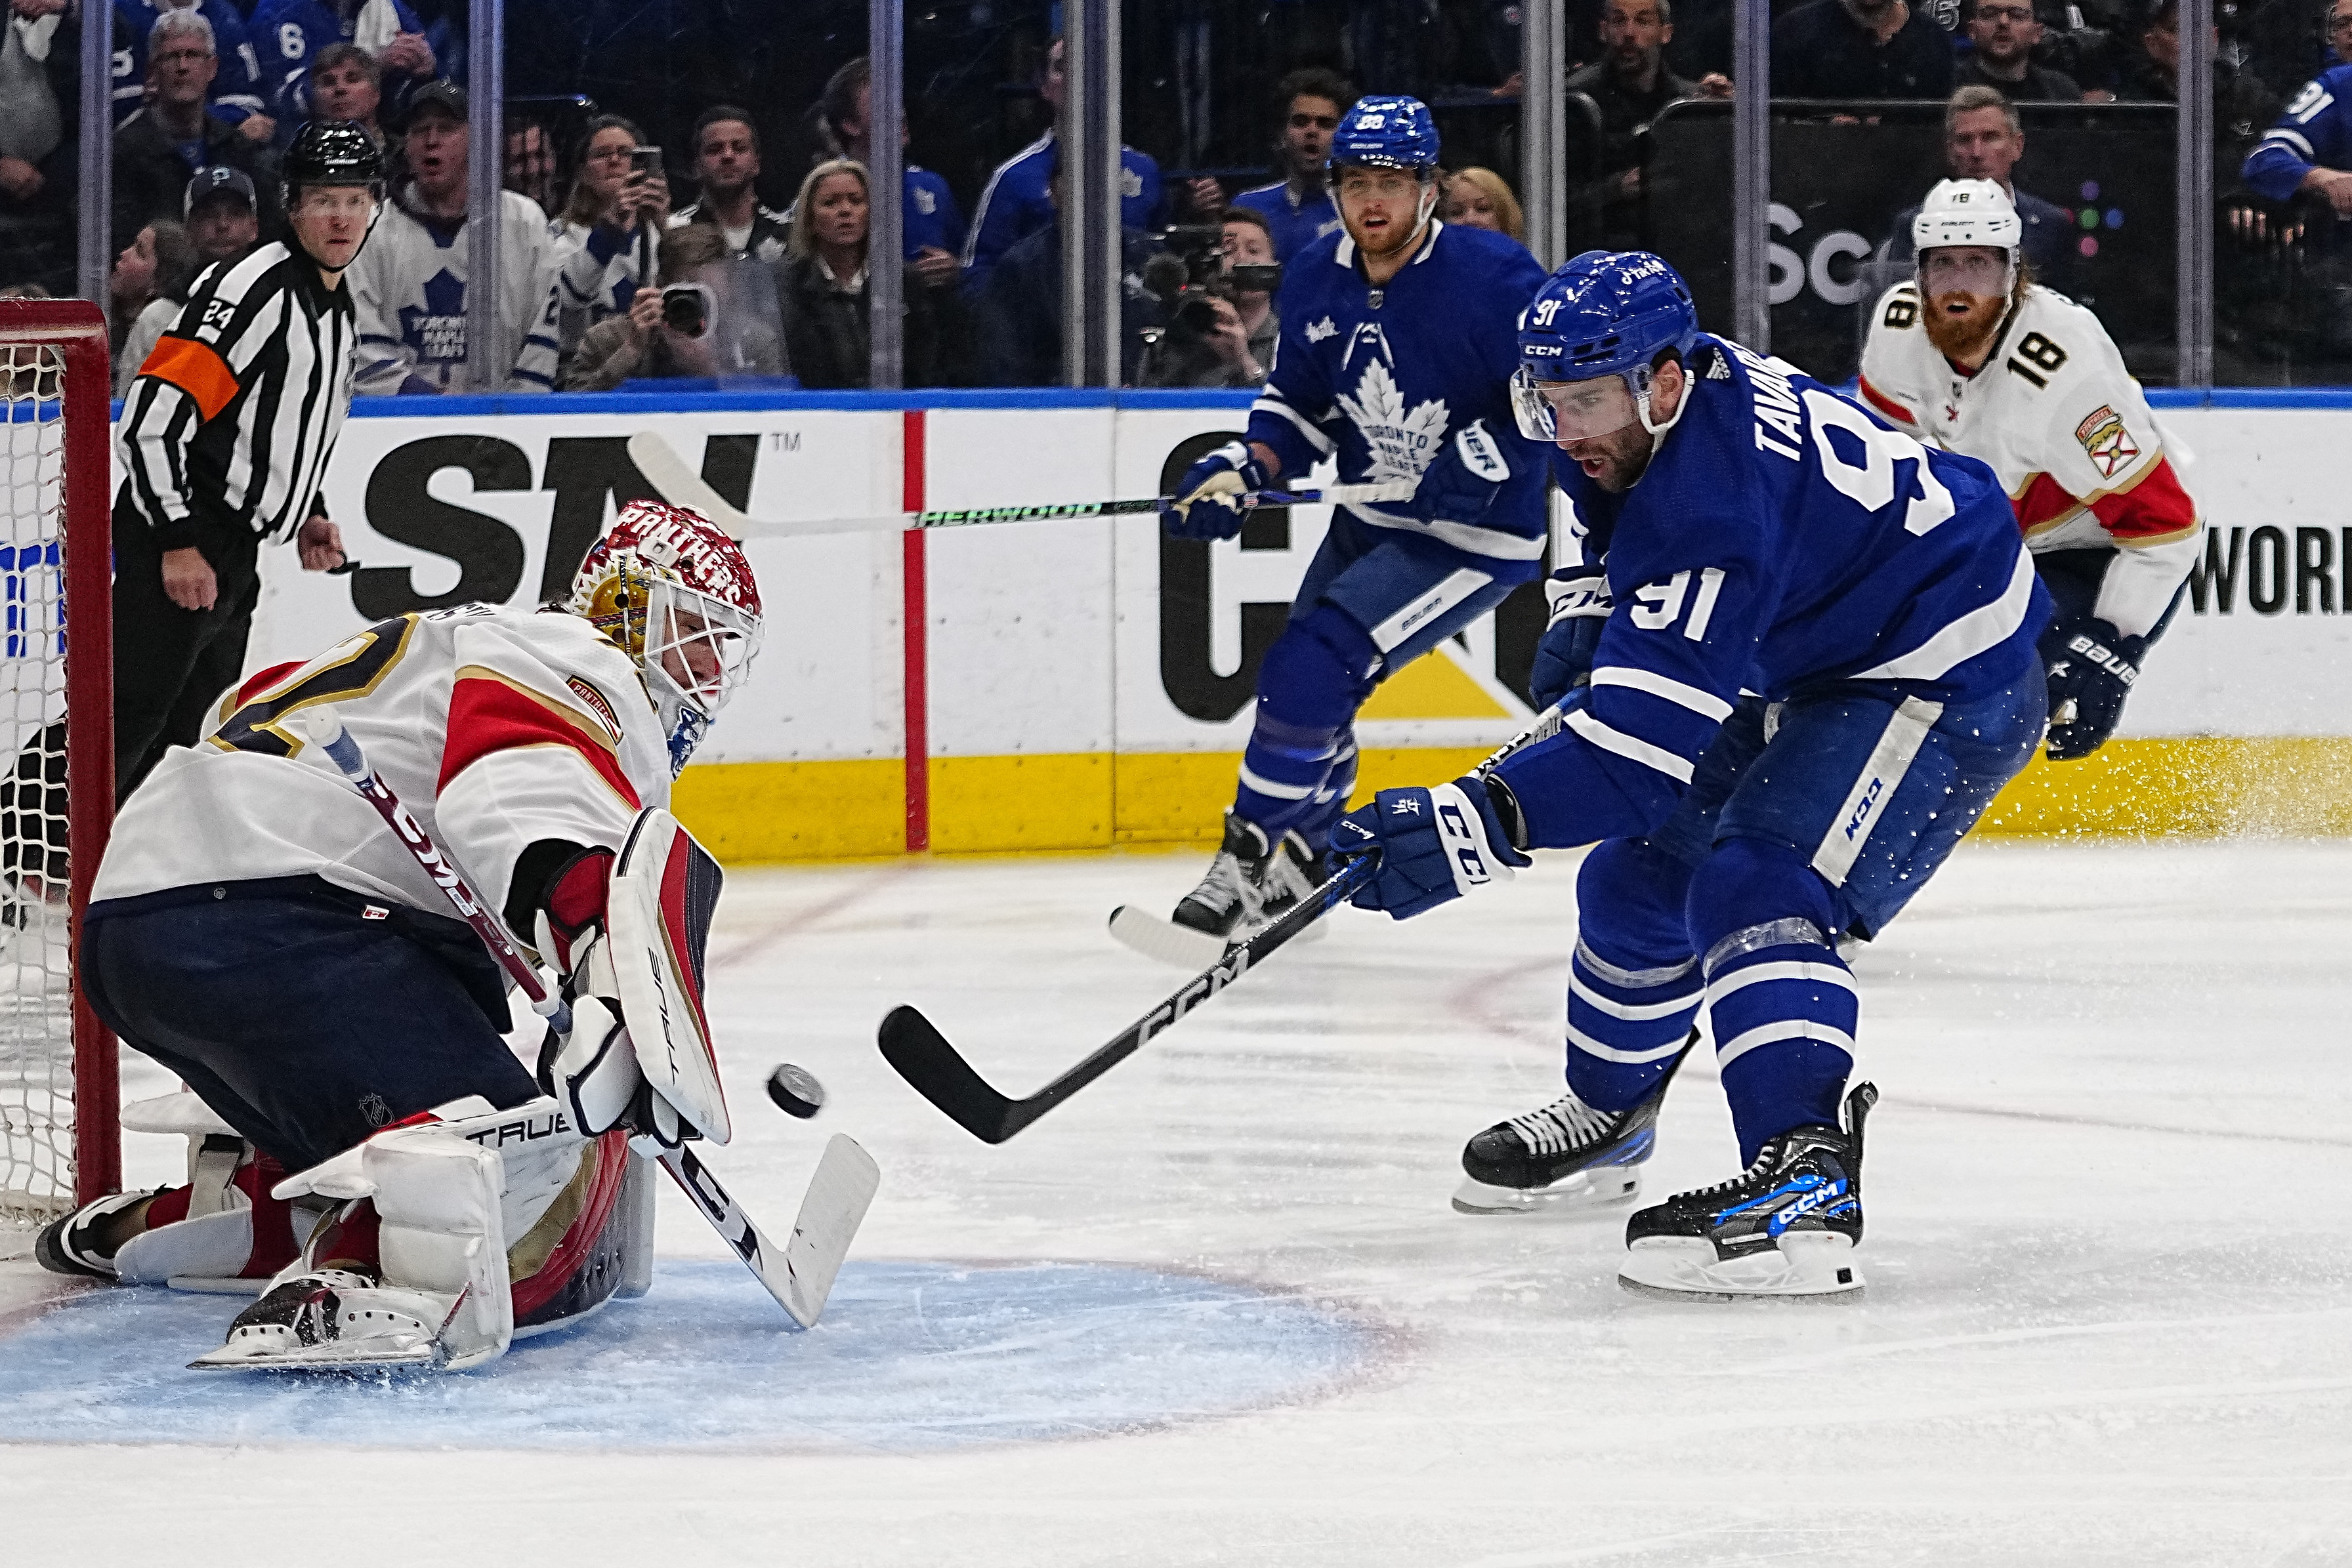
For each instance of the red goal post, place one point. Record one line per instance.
(60, 1138)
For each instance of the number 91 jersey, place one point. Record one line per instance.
(496, 727)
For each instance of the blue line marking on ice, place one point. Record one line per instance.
(910, 1357)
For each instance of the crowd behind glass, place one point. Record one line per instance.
(694, 209)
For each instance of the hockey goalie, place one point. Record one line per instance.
(368, 1153)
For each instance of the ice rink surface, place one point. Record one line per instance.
(2108, 1322)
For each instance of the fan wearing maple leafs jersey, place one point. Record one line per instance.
(1976, 358)
(1398, 339)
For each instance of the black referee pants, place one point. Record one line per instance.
(171, 665)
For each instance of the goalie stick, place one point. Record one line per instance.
(799, 1274)
(681, 485)
(924, 1058)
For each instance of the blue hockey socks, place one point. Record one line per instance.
(1634, 986)
(1301, 762)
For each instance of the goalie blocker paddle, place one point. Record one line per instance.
(924, 1058)
(682, 486)
(800, 1274)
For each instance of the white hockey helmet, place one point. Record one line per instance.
(1967, 212)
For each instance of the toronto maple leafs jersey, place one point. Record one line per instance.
(1784, 541)
(1017, 202)
(1381, 378)
(409, 288)
(496, 726)
(2054, 413)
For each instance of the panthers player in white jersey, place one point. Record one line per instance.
(1979, 359)
(258, 930)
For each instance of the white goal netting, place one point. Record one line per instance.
(36, 1024)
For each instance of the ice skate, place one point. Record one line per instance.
(1249, 887)
(329, 1318)
(1567, 1156)
(82, 1243)
(1787, 1225)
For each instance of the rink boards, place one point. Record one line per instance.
(1078, 684)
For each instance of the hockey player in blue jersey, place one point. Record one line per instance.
(1399, 340)
(1817, 670)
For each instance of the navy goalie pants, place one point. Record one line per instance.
(1805, 821)
(305, 1015)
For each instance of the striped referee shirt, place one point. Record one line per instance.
(230, 421)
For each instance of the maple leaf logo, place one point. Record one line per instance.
(1402, 444)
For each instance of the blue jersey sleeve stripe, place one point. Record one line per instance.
(1702, 702)
(2280, 134)
(1631, 747)
(1280, 408)
(1962, 639)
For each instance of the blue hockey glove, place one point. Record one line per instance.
(1214, 498)
(1462, 481)
(2093, 668)
(1580, 607)
(1435, 845)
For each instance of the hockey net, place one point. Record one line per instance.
(60, 1141)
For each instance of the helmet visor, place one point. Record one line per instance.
(1570, 411)
(702, 644)
(1970, 269)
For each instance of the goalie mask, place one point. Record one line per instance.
(676, 595)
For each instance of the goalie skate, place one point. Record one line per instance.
(1563, 1157)
(1787, 1225)
(332, 1320)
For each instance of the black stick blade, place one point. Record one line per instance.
(925, 1059)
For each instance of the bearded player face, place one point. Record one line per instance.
(1965, 288)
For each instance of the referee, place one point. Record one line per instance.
(224, 444)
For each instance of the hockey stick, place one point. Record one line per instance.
(681, 485)
(924, 1058)
(798, 1275)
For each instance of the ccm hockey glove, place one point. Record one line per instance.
(2092, 669)
(1434, 844)
(1580, 607)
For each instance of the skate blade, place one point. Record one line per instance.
(1164, 941)
(337, 1357)
(1684, 1269)
(207, 1285)
(1572, 1194)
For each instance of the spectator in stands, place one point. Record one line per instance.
(1016, 202)
(823, 283)
(1631, 86)
(2005, 33)
(531, 164)
(1297, 207)
(39, 49)
(699, 324)
(237, 93)
(347, 83)
(727, 165)
(2149, 72)
(930, 224)
(606, 236)
(1481, 199)
(2309, 149)
(157, 148)
(1859, 48)
(299, 31)
(1983, 140)
(1230, 343)
(1018, 315)
(150, 285)
(218, 208)
(408, 285)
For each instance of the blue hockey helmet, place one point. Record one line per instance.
(1386, 133)
(1604, 313)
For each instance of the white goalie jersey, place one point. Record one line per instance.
(496, 727)
(2056, 415)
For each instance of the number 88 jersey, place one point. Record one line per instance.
(2054, 413)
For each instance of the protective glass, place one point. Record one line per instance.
(1570, 411)
(1968, 268)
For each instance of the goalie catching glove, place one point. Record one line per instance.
(627, 934)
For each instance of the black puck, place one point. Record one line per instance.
(795, 1091)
